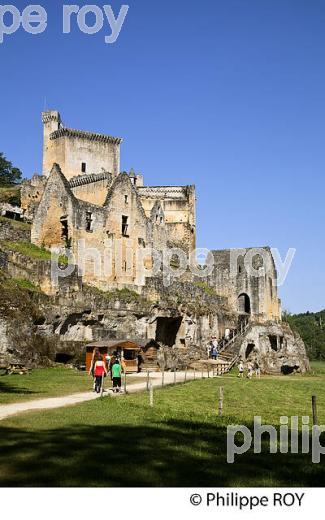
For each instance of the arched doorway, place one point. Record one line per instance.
(244, 304)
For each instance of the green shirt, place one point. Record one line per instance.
(116, 370)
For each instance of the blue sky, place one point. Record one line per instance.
(228, 95)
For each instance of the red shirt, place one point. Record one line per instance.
(99, 370)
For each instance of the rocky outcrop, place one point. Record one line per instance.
(275, 346)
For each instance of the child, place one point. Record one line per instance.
(116, 375)
(240, 369)
(249, 371)
(257, 369)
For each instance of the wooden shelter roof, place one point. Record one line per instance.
(126, 344)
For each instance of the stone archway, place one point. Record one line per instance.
(244, 304)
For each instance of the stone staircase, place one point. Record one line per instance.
(228, 351)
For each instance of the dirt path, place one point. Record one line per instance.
(8, 410)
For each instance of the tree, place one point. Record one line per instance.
(9, 175)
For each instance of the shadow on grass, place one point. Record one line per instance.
(172, 453)
(9, 388)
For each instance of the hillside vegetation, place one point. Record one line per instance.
(311, 327)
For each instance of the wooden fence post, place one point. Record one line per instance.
(125, 383)
(220, 401)
(102, 387)
(185, 376)
(147, 380)
(151, 394)
(314, 407)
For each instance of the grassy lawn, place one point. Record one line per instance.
(179, 442)
(45, 382)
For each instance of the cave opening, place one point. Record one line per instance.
(287, 369)
(167, 330)
(249, 349)
(63, 358)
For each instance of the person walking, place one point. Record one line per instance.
(215, 349)
(99, 372)
(257, 369)
(116, 376)
(94, 357)
(249, 371)
(240, 369)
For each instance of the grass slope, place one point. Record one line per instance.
(179, 442)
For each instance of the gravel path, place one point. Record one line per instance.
(67, 400)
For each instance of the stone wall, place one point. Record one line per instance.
(14, 231)
(232, 279)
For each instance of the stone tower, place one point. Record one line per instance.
(76, 151)
(52, 123)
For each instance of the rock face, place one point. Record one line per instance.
(19, 338)
(276, 348)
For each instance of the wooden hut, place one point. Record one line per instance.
(128, 351)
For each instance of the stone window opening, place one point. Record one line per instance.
(161, 220)
(276, 342)
(89, 221)
(126, 199)
(125, 225)
(83, 167)
(65, 230)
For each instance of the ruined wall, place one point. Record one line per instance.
(92, 188)
(127, 230)
(57, 205)
(31, 194)
(12, 231)
(178, 203)
(232, 279)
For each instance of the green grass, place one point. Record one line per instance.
(46, 382)
(10, 195)
(28, 249)
(179, 442)
(125, 295)
(43, 382)
(15, 223)
(206, 288)
(24, 284)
